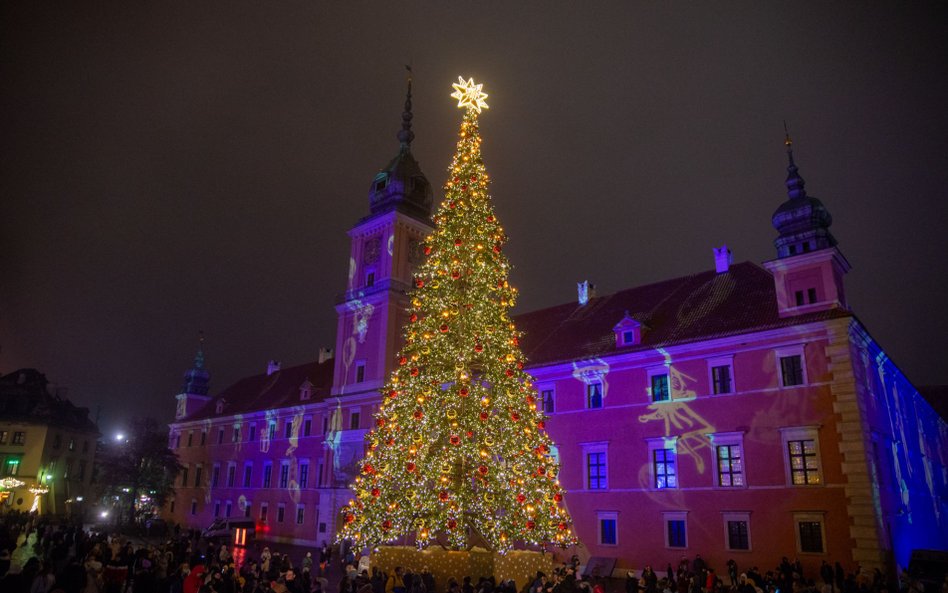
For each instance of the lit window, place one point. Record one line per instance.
(663, 468)
(676, 529)
(802, 456)
(19, 438)
(728, 451)
(593, 395)
(4, 435)
(548, 404)
(13, 467)
(596, 470)
(608, 528)
(660, 387)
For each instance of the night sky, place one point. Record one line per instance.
(174, 167)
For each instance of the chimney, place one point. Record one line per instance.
(722, 259)
(326, 354)
(585, 290)
(272, 367)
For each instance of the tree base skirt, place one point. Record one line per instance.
(519, 565)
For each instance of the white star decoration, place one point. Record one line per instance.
(469, 94)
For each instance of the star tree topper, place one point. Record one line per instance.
(469, 94)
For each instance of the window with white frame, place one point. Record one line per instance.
(663, 462)
(596, 466)
(728, 451)
(303, 473)
(594, 395)
(810, 533)
(284, 474)
(676, 529)
(791, 366)
(658, 384)
(801, 453)
(721, 374)
(300, 513)
(737, 531)
(248, 473)
(267, 474)
(547, 401)
(608, 528)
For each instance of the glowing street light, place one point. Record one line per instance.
(119, 436)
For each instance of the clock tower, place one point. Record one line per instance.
(386, 246)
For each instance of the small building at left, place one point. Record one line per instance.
(47, 448)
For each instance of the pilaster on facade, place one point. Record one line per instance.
(852, 428)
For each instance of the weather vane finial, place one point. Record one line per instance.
(469, 94)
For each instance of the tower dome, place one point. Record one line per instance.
(802, 221)
(401, 185)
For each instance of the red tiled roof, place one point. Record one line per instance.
(278, 390)
(697, 307)
(691, 308)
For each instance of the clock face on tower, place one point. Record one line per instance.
(371, 250)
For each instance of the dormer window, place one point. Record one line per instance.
(628, 332)
(220, 406)
(381, 182)
(306, 390)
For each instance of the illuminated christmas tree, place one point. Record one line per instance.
(459, 449)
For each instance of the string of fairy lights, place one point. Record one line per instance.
(459, 449)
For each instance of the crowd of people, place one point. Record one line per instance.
(42, 556)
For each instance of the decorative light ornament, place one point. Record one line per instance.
(469, 94)
(10, 483)
(38, 489)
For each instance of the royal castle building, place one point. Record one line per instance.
(739, 412)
